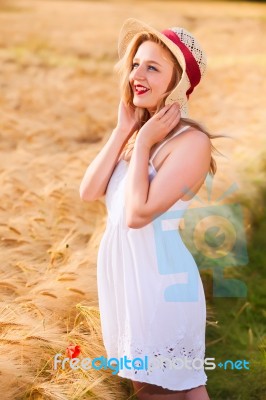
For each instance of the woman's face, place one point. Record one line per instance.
(151, 74)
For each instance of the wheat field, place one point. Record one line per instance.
(58, 105)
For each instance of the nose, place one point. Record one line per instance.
(138, 73)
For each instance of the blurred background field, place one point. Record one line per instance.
(58, 105)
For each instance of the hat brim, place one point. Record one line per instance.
(130, 28)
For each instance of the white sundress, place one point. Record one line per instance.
(145, 308)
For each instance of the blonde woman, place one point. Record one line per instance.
(153, 164)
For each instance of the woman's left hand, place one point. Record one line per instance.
(159, 125)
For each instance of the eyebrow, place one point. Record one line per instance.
(148, 61)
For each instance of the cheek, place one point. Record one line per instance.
(171, 80)
(164, 85)
(131, 76)
(160, 85)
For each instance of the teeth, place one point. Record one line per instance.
(141, 88)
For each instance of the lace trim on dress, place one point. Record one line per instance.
(174, 353)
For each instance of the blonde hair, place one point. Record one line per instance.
(124, 67)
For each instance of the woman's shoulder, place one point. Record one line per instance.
(189, 134)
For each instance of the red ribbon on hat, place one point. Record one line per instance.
(192, 68)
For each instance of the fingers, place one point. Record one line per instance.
(172, 114)
(171, 117)
(163, 111)
(167, 111)
(176, 119)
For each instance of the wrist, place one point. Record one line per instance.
(119, 135)
(122, 133)
(140, 142)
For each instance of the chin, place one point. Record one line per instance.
(142, 104)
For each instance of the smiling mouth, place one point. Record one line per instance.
(140, 89)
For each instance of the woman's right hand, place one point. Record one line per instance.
(126, 119)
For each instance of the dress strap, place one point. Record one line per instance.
(162, 144)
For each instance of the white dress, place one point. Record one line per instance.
(146, 308)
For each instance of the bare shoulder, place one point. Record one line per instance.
(192, 137)
(192, 132)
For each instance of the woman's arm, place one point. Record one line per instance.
(98, 173)
(185, 168)
(182, 170)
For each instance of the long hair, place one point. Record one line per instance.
(124, 67)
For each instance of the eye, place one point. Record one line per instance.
(134, 65)
(150, 66)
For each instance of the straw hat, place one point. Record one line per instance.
(184, 47)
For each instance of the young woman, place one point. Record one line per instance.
(151, 296)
